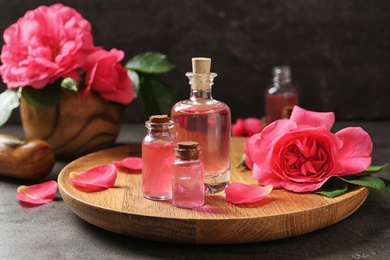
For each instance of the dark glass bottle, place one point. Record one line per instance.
(281, 96)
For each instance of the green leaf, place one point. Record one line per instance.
(368, 181)
(332, 188)
(375, 169)
(242, 162)
(9, 100)
(157, 97)
(149, 62)
(133, 75)
(44, 98)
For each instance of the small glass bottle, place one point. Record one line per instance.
(187, 176)
(158, 155)
(281, 96)
(208, 122)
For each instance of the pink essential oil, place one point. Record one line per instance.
(208, 122)
(187, 176)
(158, 155)
(281, 96)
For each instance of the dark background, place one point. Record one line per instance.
(339, 51)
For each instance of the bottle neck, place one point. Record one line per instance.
(203, 94)
(201, 85)
(159, 128)
(282, 76)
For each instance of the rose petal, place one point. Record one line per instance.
(266, 177)
(248, 149)
(268, 136)
(311, 118)
(37, 194)
(94, 179)
(131, 163)
(238, 129)
(247, 127)
(354, 156)
(253, 126)
(303, 187)
(239, 193)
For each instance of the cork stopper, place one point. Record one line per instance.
(187, 150)
(201, 65)
(159, 119)
(188, 145)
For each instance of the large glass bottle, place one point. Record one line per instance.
(280, 96)
(208, 122)
(158, 155)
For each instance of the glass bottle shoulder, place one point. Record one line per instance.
(161, 139)
(190, 163)
(200, 106)
(281, 89)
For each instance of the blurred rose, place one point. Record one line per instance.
(107, 77)
(47, 43)
(301, 154)
(247, 127)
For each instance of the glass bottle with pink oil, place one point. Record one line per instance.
(207, 121)
(281, 96)
(158, 155)
(187, 176)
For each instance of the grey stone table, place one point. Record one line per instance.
(52, 231)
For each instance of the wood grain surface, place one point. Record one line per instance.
(75, 126)
(122, 209)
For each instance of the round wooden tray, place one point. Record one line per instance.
(122, 209)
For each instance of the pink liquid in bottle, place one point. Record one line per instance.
(157, 159)
(187, 181)
(158, 155)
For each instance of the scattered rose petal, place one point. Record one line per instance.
(239, 193)
(253, 126)
(94, 179)
(238, 129)
(37, 194)
(247, 127)
(131, 163)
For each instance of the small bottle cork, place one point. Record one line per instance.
(201, 65)
(187, 150)
(159, 119)
(188, 145)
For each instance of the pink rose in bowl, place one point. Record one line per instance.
(46, 44)
(301, 154)
(106, 76)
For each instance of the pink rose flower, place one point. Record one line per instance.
(301, 154)
(247, 127)
(47, 43)
(106, 76)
